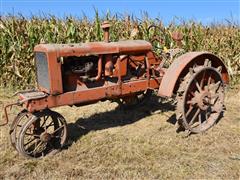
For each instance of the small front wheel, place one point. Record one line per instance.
(16, 126)
(44, 133)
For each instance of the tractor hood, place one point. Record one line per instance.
(95, 48)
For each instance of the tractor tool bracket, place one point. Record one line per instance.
(18, 103)
(28, 95)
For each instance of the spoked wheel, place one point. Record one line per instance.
(44, 133)
(200, 99)
(135, 100)
(16, 126)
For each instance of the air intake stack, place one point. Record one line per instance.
(106, 26)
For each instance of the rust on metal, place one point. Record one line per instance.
(108, 65)
(127, 72)
(106, 26)
(84, 95)
(6, 113)
(83, 49)
(178, 37)
(180, 67)
(200, 98)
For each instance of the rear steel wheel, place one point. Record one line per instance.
(16, 126)
(200, 98)
(44, 133)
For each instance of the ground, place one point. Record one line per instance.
(108, 142)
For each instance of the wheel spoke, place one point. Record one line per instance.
(37, 147)
(216, 109)
(192, 93)
(202, 80)
(215, 98)
(194, 117)
(200, 119)
(215, 86)
(57, 129)
(45, 119)
(197, 85)
(34, 135)
(190, 102)
(50, 124)
(189, 111)
(207, 113)
(44, 123)
(209, 80)
(29, 142)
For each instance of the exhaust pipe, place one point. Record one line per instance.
(106, 26)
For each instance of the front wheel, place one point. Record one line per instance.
(45, 132)
(200, 99)
(16, 126)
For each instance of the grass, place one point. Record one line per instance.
(106, 142)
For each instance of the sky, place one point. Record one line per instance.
(205, 11)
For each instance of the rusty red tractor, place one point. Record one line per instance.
(125, 71)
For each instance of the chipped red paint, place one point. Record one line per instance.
(84, 73)
(180, 66)
(113, 77)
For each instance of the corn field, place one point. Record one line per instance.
(19, 35)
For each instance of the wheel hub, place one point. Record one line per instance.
(203, 99)
(45, 137)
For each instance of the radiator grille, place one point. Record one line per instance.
(42, 70)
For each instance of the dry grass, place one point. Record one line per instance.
(106, 142)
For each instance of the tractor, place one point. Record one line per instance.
(128, 72)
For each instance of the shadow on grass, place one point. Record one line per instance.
(118, 117)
